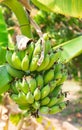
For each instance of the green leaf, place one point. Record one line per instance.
(66, 7)
(3, 31)
(3, 38)
(5, 78)
(71, 49)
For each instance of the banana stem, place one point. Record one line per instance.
(21, 15)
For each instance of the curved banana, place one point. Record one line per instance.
(24, 86)
(39, 81)
(33, 64)
(9, 57)
(52, 84)
(53, 58)
(45, 101)
(44, 110)
(37, 49)
(53, 101)
(25, 63)
(32, 83)
(30, 50)
(48, 76)
(30, 98)
(37, 94)
(36, 105)
(16, 61)
(14, 72)
(44, 63)
(57, 108)
(45, 91)
(56, 91)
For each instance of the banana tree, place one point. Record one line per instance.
(70, 49)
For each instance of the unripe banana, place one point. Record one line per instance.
(14, 88)
(32, 83)
(64, 77)
(23, 98)
(53, 101)
(36, 105)
(25, 63)
(56, 91)
(39, 81)
(44, 110)
(30, 50)
(16, 61)
(30, 97)
(33, 64)
(45, 101)
(14, 72)
(37, 94)
(20, 99)
(24, 86)
(54, 110)
(47, 44)
(57, 108)
(9, 57)
(45, 91)
(58, 75)
(37, 49)
(52, 85)
(60, 99)
(44, 63)
(48, 76)
(53, 58)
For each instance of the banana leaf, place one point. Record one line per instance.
(3, 31)
(70, 49)
(66, 7)
(5, 78)
(3, 38)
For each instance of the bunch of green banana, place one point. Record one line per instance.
(37, 87)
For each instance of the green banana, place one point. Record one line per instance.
(45, 101)
(56, 91)
(30, 98)
(14, 88)
(37, 49)
(14, 72)
(57, 108)
(48, 76)
(39, 81)
(8, 57)
(25, 63)
(33, 64)
(60, 99)
(44, 110)
(47, 44)
(30, 50)
(52, 84)
(24, 86)
(44, 63)
(63, 78)
(16, 61)
(37, 94)
(45, 91)
(20, 99)
(36, 105)
(53, 101)
(32, 83)
(53, 58)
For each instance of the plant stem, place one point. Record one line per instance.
(21, 15)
